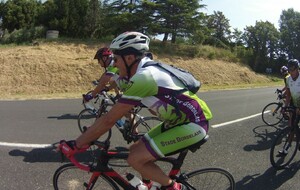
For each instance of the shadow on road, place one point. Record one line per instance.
(265, 136)
(48, 155)
(64, 116)
(37, 155)
(271, 179)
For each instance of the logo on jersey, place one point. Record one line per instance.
(128, 85)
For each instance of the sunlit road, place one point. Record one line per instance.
(241, 147)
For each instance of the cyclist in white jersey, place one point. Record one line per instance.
(293, 83)
(185, 115)
(292, 92)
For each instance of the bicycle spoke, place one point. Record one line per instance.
(271, 114)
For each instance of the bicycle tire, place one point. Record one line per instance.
(208, 179)
(271, 114)
(281, 161)
(144, 124)
(86, 118)
(68, 177)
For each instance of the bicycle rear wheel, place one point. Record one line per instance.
(288, 141)
(69, 177)
(144, 124)
(271, 114)
(208, 179)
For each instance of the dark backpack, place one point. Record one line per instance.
(187, 79)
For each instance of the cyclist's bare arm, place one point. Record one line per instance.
(103, 81)
(113, 85)
(288, 97)
(103, 124)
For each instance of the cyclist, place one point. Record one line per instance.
(152, 87)
(105, 59)
(292, 91)
(293, 83)
(285, 73)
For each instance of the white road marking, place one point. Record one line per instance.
(235, 121)
(22, 145)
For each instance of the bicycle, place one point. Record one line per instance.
(286, 144)
(139, 123)
(99, 174)
(273, 113)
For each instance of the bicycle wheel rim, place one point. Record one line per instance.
(144, 125)
(69, 177)
(271, 114)
(85, 119)
(209, 179)
(284, 139)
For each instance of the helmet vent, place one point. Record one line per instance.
(129, 37)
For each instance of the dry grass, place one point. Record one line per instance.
(66, 70)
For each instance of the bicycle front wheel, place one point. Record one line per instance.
(208, 179)
(85, 119)
(284, 148)
(69, 177)
(271, 114)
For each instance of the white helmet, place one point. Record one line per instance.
(129, 40)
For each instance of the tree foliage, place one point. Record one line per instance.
(263, 40)
(290, 33)
(17, 14)
(177, 21)
(219, 30)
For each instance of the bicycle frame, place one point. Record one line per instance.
(102, 166)
(110, 100)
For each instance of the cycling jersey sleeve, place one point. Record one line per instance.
(111, 70)
(140, 86)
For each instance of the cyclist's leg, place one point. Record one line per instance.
(157, 144)
(293, 122)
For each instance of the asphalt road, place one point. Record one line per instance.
(241, 147)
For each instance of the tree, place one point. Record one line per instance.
(18, 14)
(93, 19)
(176, 18)
(263, 39)
(47, 15)
(220, 30)
(289, 26)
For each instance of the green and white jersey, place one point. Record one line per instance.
(294, 87)
(111, 69)
(156, 89)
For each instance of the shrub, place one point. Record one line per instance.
(23, 35)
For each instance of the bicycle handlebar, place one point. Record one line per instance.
(103, 147)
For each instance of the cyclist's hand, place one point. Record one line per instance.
(87, 97)
(69, 148)
(279, 91)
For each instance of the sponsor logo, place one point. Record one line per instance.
(179, 139)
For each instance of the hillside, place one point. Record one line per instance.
(66, 70)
